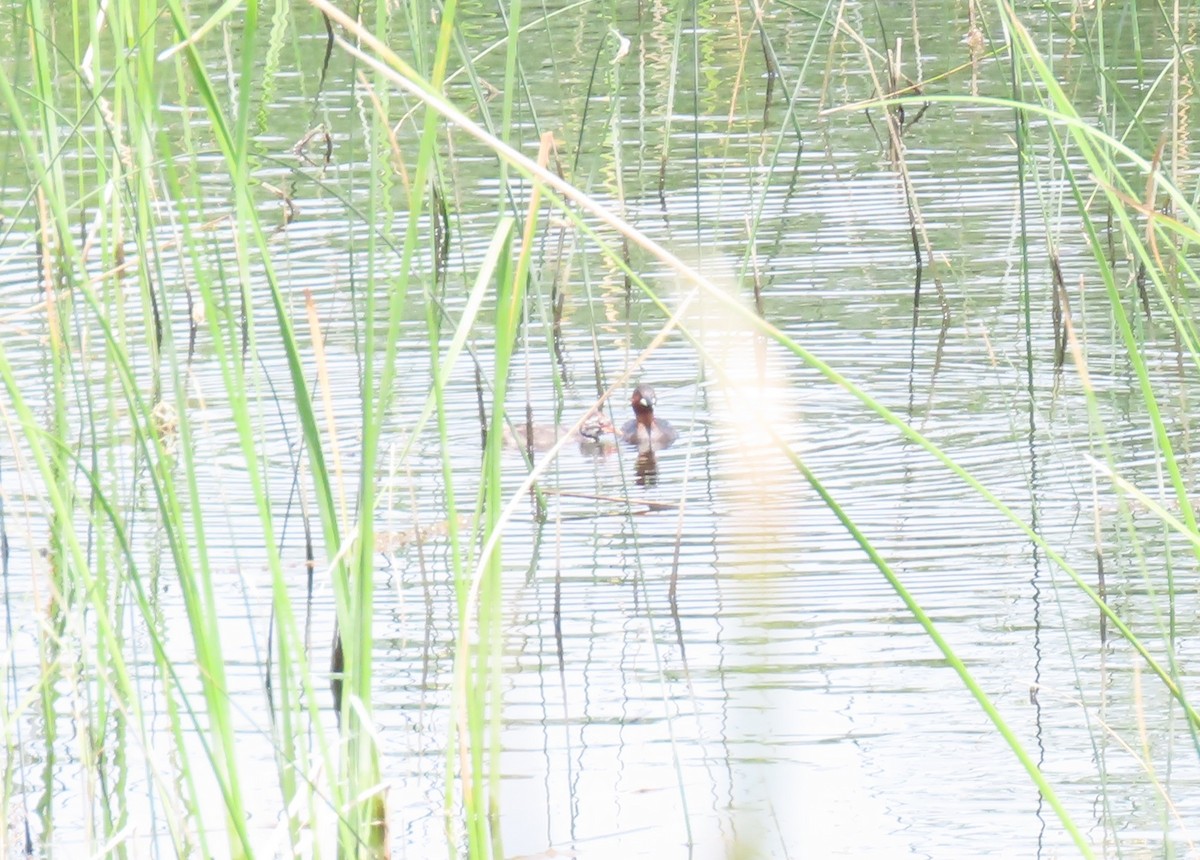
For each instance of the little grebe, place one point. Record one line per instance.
(644, 430)
(589, 436)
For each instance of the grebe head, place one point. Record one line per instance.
(643, 403)
(595, 425)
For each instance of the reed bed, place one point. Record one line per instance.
(151, 211)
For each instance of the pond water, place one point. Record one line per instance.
(723, 670)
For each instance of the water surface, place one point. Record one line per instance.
(724, 667)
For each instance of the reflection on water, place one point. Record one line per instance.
(698, 653)
(647, 468)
